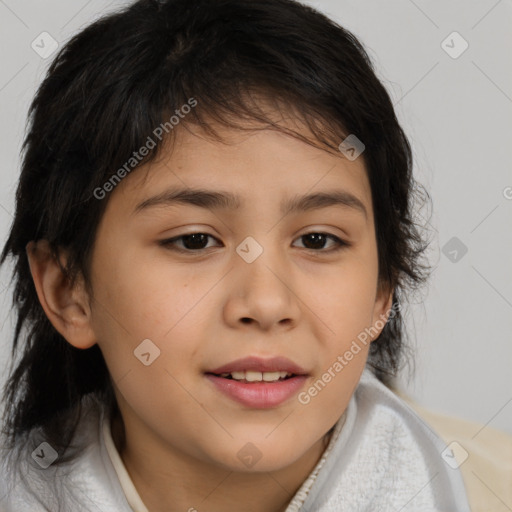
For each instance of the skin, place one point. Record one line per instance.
(179, 437)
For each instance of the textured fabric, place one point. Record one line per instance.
(381, 457)
(385, 459)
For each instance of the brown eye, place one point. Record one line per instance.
(316, 241)
(191, 242)
(197, 242)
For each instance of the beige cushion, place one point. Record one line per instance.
(487, 470)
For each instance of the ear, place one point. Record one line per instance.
(382, 309)
(66, 307)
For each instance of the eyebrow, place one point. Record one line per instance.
(215, 200)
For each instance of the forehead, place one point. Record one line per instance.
(247, 170)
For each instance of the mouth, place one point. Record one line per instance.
(255, 368)
(248, 377)
(258, 383)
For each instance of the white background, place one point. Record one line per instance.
(457, 113)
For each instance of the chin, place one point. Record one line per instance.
(258, 457)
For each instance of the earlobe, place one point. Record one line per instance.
(66, 306)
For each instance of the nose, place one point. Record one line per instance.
(263, 291)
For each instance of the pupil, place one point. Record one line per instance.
(196, 238)
(319, 238)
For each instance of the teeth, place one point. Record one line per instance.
(251, 376)
(272, 376)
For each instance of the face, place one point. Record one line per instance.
(254, 281)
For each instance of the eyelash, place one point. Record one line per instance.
(170, 243)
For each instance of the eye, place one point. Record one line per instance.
(195, 242)
(318, 239)
(192, 242)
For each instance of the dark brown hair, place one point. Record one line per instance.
(117, 80)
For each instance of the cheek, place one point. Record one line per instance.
(158, 303)
(344, 303)
(344, 300)
(143, 296)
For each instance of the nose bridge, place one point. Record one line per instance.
(262, 275)
(261, 251)
(250, 249)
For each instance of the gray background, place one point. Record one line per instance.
(457, 113)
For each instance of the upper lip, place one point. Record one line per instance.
(258, 364)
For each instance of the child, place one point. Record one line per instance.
(249, 373)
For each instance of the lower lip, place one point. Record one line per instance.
(259, 395)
